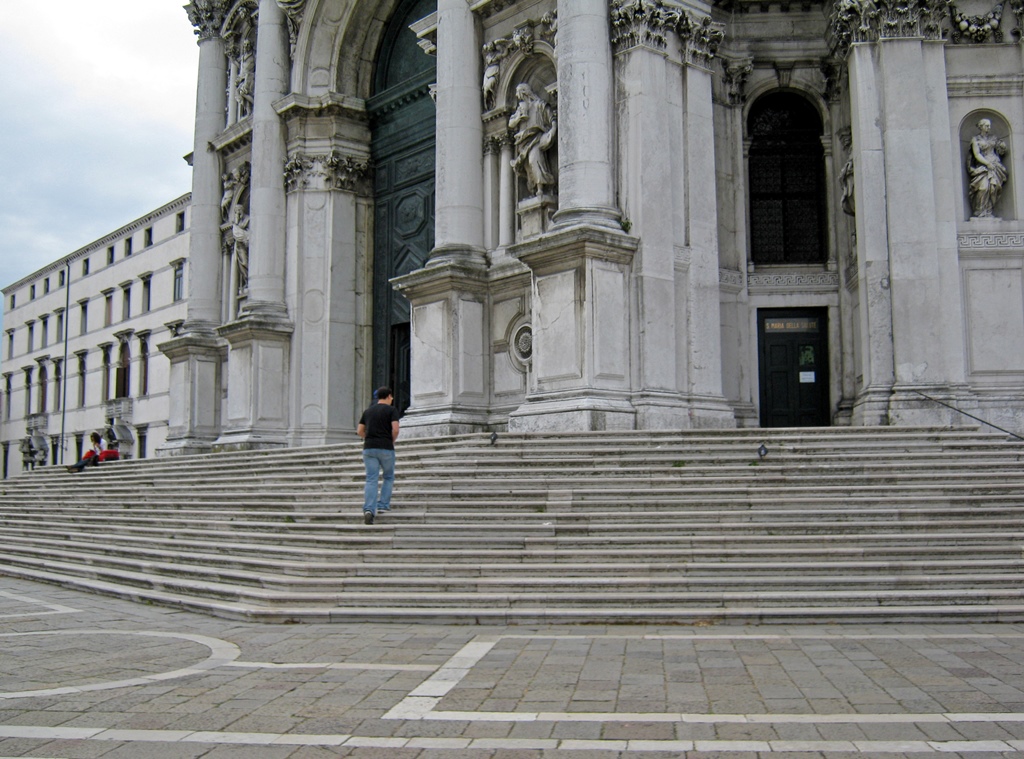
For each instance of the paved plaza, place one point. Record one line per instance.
(86, 676)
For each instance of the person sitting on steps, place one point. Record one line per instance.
(91, 456)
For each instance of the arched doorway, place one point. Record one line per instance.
(403, 129)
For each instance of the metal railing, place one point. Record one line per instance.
(967, 414)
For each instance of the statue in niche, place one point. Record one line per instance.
(493, 54)
(245, 85)
(235, 182)
(846, 179)
(535, 130)
(986, 170)
(240, 237)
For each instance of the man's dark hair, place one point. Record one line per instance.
(383, 392)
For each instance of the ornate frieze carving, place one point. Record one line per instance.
(790, 280)
(522, 40)
(1013, 241)
(869, 20)
(736, 73)
(207, 16)
(731, 278)
(329, 171)
(975, 28)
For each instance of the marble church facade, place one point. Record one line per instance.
(585, 215)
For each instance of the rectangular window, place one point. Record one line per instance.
(105, 389)
(42, 389)
(108, 309)
(127, 247)
(32, 292)
(85, 267)
(60, 327)
(179, 225)
(12, 302)
(30, 334)
(84, 323)
(147, 237)
(46, 285)
(179, 281)
(60, 278)
(110, 255)
(126, 303)
(44, 327)
(10, 343)
(81, 382)
(143, 365)
(7, 397)
(142, 435)
(28, 392)
(147, 290)
(58, 384)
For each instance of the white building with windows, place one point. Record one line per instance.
(80, 343)
(580, 215)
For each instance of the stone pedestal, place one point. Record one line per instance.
(194, 414)
(259, 376)
(582, 347)
(449, 347)
(535, 215)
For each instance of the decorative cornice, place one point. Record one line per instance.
(731, 278)
(330, 171)
(989, 86)
(207, 16)
(870, 20)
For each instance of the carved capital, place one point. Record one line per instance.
(642, 22)
(293, 10)
(700, 37)
(327, 172)
(870, 20)
(207, 16)
(736, 73)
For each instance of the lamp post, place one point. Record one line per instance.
(64, 372)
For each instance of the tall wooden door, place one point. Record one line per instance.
(402, 119)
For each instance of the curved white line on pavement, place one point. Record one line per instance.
(221, 653)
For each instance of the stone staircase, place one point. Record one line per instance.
(693, 527)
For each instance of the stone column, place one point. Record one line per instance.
(459, 213)
(267, 194)
(700, 307)
(196, 356)
(259, 362)
(448, 296)
(506, 195)
(911, 335)
(586, 191)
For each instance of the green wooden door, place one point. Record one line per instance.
(403, 128)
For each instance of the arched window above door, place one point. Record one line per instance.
(786, 181)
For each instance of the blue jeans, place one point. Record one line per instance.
(378, 460)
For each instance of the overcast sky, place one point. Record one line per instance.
(98, 112)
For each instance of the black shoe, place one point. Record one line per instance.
(367, 517)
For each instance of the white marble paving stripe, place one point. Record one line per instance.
(336, 665)
(706, 719)
(221, 653)
(53, 608)
(767, 636)
(36, 732)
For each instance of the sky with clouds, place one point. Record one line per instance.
(99, 106)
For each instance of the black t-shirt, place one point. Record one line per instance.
(377, 419)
